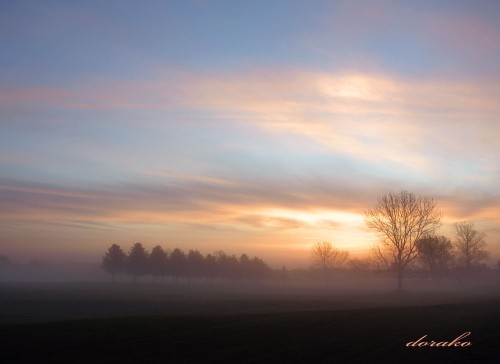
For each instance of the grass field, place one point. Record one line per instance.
(266, 329)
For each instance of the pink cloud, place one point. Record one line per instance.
(372, 117)
(35, 95)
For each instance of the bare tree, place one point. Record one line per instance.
(361, 266)
(401, 219)
(379, 259)
(325, 256)
(470, 244)
(435, 253)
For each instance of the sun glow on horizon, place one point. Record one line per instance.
(173, 132)
(313, 217)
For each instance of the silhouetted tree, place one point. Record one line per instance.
(177, 266)
(244, 267)
(113, 261)
(360, 266)
(158, 261)
(325, 256)
(435, 253)
(282, 274)
(380, 259)
(470, 244)
(401, 219)
(194, 263)
(228, 265)
(210, 266)
(232, 267)
(258, 269)
(137, 261)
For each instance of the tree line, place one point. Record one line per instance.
(407, 225)
(160, 263)
(437, 254)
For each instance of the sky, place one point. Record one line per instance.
(245, 126)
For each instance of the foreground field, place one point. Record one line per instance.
(263, 330)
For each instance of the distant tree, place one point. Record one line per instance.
(244, 267)
(137, 261)
(228, 265)
(282, 274)
(325, 256)
(258, 269)
(220, 256)
(194, 264)
(210, 266)
(177, 262)
(380, 259)
(401, 219)
(113, 261)
(360, 265)
(435, 253)
(231, 267)
(470, 244)
(158, 260)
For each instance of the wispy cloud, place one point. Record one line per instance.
(195, 200)
(282, 141)
(372, 117)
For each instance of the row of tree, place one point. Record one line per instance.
(405, 223)
(160, 263)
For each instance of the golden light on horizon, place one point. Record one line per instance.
(217, 146)
(316, 216)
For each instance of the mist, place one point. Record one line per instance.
(41, 291)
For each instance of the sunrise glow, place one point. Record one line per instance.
(242, 127)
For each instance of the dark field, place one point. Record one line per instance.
(141, 324)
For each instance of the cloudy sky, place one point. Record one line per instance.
(247, 126)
